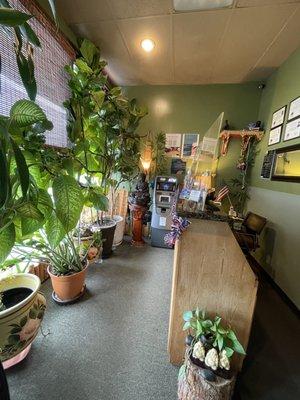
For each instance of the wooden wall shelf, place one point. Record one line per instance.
(246, 136)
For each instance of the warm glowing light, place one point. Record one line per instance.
(146, 164)
(148, 45)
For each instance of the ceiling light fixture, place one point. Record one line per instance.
(147, 45)
(200, 5)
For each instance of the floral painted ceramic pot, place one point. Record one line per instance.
(19, 324)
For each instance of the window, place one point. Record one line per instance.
(49, 61)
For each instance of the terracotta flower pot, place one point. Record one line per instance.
(67, 287)
(20, 323)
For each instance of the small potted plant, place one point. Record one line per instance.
(90, 242)
(210, 347)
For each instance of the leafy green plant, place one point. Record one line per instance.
(15, 23)
(159, 161)
(65, 259)
(217, 335)
(102, 125)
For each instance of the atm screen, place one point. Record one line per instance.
(164, 199)
(166, 186)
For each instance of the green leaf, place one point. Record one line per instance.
(29, 210)
(68, 200)
(53, 10)
(10, 17)
(7, 240)
(229, 352)
(22, 168)
(199, 328)
(82, 65)
(231, 335)
(89, 51)
(25, 113)
(29, 226)
(23, 320)
(220, 340)
(30, 35)
(26, 70)
(99, 201)
(187, 315)
(98, 97)
(4, 178)
(186, 326)
(238, 347)
(54, 230)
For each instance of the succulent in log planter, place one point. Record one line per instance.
(211, 344)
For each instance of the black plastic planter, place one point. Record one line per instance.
(107, 227)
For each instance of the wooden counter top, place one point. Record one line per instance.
(211, 272)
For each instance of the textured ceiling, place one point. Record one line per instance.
(243, 43)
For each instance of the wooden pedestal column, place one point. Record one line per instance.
(138, 213)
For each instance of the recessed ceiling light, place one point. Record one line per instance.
(200, 5)
(147, 45)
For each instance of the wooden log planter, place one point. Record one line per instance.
(194, 383)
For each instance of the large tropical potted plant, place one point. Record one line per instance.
(21, 305)
(102, 124)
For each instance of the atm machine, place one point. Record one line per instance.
(164, 197)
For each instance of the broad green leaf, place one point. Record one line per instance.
(45, 204)
(4, 178)
(10, 17)
(98, 97)
(26, 70)
(186, 326)
(89, 51)
(54, 230)
(231, 335)
(238, 347)
(68, 200)
(220, 340)
(7, 240)
(229, 352)
(187, 315)
(82, 65)
(199, 328)
(99, 201)
(29, 210)
(29, 226)
(30, 35)
(22, 168)
(24, 113)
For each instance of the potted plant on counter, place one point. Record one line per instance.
(210, 347)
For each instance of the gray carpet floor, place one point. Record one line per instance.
(112, 344)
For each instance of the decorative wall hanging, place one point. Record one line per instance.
(294, 109)
(275, 135)
(173, 144)
(225, 136)
(278, 117)
(190, 143)
(292, 129)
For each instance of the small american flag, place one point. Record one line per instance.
(222, 193)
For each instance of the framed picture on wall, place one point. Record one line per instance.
(275, 135)
(294, 109)
(278, 117)
(190, 143)
(292, 129)
(173, 144)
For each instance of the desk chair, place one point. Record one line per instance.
(252, 226)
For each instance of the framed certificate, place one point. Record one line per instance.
(278, 117)
(292, 129)
(294, 109)
(275, 135)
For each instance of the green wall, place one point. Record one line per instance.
(187, 109)
(279, 201)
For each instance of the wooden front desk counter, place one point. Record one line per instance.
(211, 272)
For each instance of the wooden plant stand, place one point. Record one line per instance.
(193, 386)
(138, 213)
